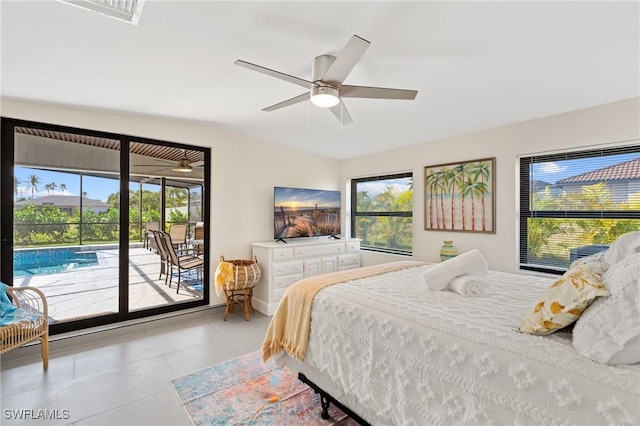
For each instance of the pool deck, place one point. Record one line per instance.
(93, 290)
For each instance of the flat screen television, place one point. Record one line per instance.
(300, 212)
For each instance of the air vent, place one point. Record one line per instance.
(124, 10)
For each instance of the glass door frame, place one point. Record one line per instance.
(7, 160)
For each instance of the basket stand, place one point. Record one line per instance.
(239, 290)
(240, 297)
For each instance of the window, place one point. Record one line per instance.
(381, 212)
(575, 204)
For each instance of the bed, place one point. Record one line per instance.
(394, 353)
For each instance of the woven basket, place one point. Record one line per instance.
(246, 273)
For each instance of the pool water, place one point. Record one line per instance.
(51, 261)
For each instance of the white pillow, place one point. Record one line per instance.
(621, 248)
(609, 329)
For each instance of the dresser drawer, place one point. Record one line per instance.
(353, 246)
(287, 268)
(319, 250)
(277, 294)
(349, 260)
(286, 281)
(285, 253)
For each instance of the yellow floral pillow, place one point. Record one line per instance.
(566, 299)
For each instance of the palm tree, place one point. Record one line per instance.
(450, 178)
(48, 188)
(176, 197)
(473, 187)
(461, 173)
(33, 181)
(430, 182)
(63, 187)
(16, 186)
(481, 169)
(440, 187)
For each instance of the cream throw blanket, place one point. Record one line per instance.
(289, 327)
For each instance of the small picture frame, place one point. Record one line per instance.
(460, 196)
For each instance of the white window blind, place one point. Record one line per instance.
(575, 204)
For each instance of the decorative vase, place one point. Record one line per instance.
(447, 251)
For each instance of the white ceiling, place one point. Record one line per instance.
(475, 64)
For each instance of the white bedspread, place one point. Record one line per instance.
(399, 354)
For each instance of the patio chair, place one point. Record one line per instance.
(181, 263)
(26, 317)
(198, 235)
(165, 267)
(178, 232)
(148, 234)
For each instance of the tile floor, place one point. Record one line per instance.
(124, 380)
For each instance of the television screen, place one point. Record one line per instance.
(300, 212)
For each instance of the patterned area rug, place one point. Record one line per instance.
(246, 391)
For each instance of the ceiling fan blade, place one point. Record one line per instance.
(376, 93)
(346, 60)
(197, 163)
(341, 113)
(292, 101)
(158, 160)
(277, 74)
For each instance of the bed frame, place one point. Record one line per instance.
(326, 400)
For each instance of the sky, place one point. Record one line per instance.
(96, 188)
(297, 198)
(376, 187)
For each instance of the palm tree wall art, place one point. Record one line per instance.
(460, 196)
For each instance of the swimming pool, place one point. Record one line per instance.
(51, 260)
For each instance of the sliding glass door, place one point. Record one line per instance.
(160, 182)
(67, 233)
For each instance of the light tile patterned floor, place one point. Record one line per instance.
(124, 380)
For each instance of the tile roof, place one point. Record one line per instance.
(623, 171)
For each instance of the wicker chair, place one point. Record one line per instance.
(33, 302)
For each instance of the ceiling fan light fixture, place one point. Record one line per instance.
(183, 166)
(325, 96)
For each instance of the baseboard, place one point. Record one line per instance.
(97, 334)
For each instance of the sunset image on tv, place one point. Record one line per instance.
(305, 213)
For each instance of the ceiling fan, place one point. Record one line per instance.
(183, 165)
(328, 72)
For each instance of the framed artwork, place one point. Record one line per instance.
(460, 196)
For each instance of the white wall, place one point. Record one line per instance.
(605, 124)
(244, 170)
